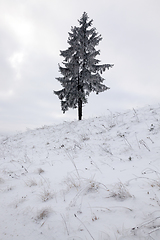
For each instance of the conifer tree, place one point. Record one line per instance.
(81, 73)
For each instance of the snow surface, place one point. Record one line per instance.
(92, 179)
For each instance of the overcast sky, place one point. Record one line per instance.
(33, 32)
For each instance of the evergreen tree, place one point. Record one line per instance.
(81, 73)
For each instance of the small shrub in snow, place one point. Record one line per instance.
(46, 195)
(92, 187)
(84, 137)
(40, 170)
(19, 201)
(72, 182)
(43, 213)
(120, 192)
(94, 217)
(31, 183)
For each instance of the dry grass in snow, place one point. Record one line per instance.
(94, 179)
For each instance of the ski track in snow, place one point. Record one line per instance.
(91, 179)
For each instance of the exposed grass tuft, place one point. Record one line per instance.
(40, 170)
(46, 195)
(43, 213)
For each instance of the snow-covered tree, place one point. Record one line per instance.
(81, 73)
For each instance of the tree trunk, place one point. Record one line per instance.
(79, 109)
(79, 101)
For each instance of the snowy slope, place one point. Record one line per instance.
(94, 179)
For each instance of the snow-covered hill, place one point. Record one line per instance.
(93, 179)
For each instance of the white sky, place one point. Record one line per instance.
(33, 32)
